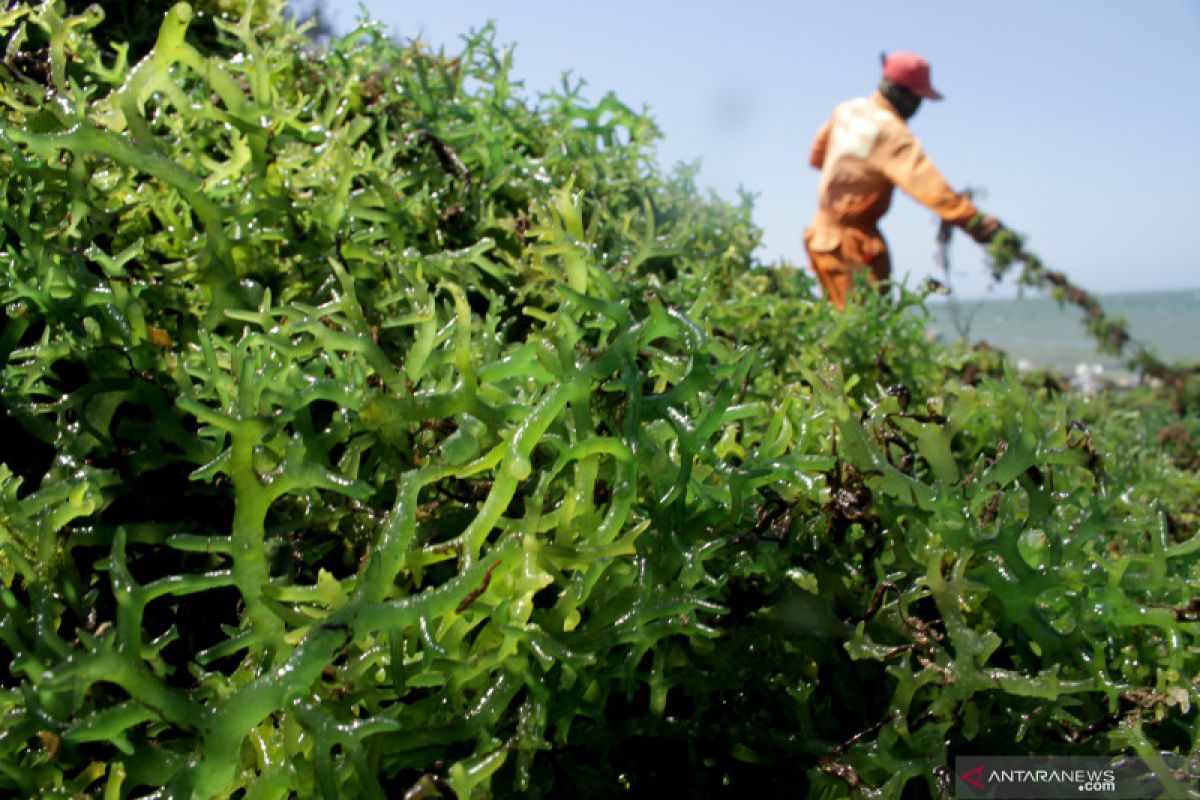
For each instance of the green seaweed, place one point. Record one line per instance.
(372, 430)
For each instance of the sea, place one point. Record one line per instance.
(1037, 333)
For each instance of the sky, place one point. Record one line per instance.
(1078, 119)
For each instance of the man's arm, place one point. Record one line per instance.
(820, 145)
(902, 160)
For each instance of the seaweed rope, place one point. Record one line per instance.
(1111, 334)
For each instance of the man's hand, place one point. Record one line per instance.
(983, 228)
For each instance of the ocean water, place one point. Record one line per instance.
(1036, 332)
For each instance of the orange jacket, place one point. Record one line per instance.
(863, 151)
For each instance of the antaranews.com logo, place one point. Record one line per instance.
(1056, 777)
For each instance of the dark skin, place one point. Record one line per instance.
(905, 101)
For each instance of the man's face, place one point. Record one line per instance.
(905, 101)
(908, 103)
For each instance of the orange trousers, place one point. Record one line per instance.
(856, 251)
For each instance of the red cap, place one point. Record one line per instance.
(912, 72)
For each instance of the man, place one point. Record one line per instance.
(863, 151)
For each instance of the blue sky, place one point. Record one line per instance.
(1079, 118)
